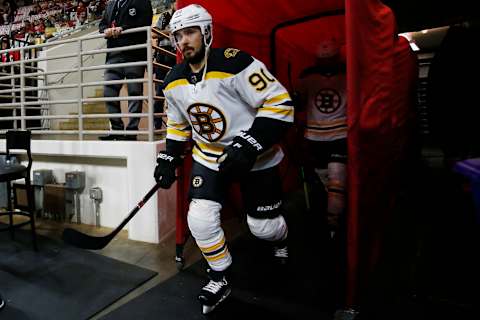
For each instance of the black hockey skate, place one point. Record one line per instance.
(214, 292)
(2, 303)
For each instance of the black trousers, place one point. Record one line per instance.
(134, 89)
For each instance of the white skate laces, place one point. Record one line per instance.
(280, 255)
(215, 286)
(281, 252)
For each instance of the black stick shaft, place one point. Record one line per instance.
(135, 210)
(82, 240)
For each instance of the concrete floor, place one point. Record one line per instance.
(156, 257)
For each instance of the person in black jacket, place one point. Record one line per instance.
(11, 11)
(119, 16)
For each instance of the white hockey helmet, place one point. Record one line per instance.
(193, 15)
(328, 48)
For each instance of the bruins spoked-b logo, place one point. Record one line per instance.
(207, 121)
(328, 100)
(197, 181)
(230, 52)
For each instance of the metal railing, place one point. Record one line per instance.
(72, 31)
(14, 87)
(18, 76)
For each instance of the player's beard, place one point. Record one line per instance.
(197, 57)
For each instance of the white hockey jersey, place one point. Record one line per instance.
(325, 98)
(237, 88)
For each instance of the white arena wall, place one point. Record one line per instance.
(124, 172)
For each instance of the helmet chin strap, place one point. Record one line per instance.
(207, 50)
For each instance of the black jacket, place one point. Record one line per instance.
(133, 14)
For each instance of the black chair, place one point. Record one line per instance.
(11, 171)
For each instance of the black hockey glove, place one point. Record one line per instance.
(165, 170)
(239, 157)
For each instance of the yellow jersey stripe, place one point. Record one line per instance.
(217, 75)
(327, 122)
(327, 129)
(176, 83)
(336, 184)
(175, 124)
(178, 126)
(210, 148)
(280, 97)
(324, 133)
(199, 153)
(284, 112)
(177, 132)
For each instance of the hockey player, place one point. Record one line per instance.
(235, 111)
(322, 92)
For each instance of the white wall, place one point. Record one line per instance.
(124, 172)
(107, 175)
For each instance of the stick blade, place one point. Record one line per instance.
(84, 241)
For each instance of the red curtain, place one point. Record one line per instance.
(380, 72)
(247, 24)
(381, 77)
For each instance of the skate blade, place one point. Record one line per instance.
(208, 309)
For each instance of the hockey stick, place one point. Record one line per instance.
(302, 171)
(84, 241)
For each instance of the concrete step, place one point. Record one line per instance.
(88, 124)
(94, 107)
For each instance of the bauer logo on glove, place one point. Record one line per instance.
(165, 156)
(239, 157)
(251, 140)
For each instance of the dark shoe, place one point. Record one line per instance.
(179, 262)
(2, 303)
(179, 258)
(129, 138)
(111, 137)
(345, 314)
